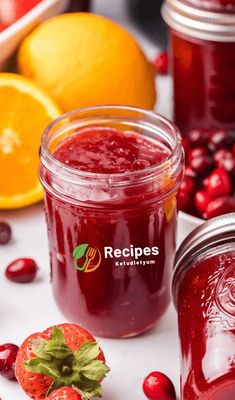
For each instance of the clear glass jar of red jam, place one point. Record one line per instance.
(204, 295)
(202, 58)
(110, 177)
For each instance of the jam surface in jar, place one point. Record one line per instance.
(111, 259)
(108, 151)
(206, 314)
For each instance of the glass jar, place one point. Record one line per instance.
(204, 295)
(124, 223)
(202, 54)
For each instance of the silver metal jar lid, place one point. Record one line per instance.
(199, 23)
(215, 232)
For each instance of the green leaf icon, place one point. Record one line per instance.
(78, 253)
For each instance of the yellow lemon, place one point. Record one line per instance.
(83, 59)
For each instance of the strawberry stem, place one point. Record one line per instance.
(79, 369)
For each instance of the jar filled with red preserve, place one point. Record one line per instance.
(204, 295)
(110, 177)
(202, 54)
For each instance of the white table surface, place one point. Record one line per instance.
(29, 308)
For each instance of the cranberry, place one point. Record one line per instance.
(219, 183)
(185, 202)
(197, 152)
(22, 270)
(188, 185)
(202, 165)
(234, 149)
(199, 137)
(190, 172)
(158, 386)
(220, 154)
(8, 353)
(220, 206)
(160, 63)
(5, 233)
(221, 138)
(201, 199)
(228, 163)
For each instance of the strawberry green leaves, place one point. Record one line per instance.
(80, 369)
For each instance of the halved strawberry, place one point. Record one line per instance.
(64, 355)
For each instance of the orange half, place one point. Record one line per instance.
(25, 111)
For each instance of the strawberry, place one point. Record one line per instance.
(65, 393)
(63, 355)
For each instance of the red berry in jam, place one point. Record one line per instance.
(158, 386)
(5, 233)
(202, 165)
(221, 138)
(8, 353)
(199, 137)
(220, 206)
(22, 270)
(161, 63)
(219, 183)
(197, 152)
(201, 199)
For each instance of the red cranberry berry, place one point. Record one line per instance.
(220, 154)
(160, 63)
(188, 185)
(201, 199)
(220, 206)
(190, 172)
(22, 270)
(197, 152)
(8, 353)
(221, 138)
(199, 137)
(219, 183)
(184, 201)
(202, 165)
(158, 386)
(5, 233)
(228, 163)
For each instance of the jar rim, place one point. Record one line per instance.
(216, 231)
(48, 160)
(199, 23)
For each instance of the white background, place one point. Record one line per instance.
(25, 309)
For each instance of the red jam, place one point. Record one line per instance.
(12, 10)
(214, 5)
(204, 84)
(204, 294)
(206, 305)
(108, 151)
(111, 246)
